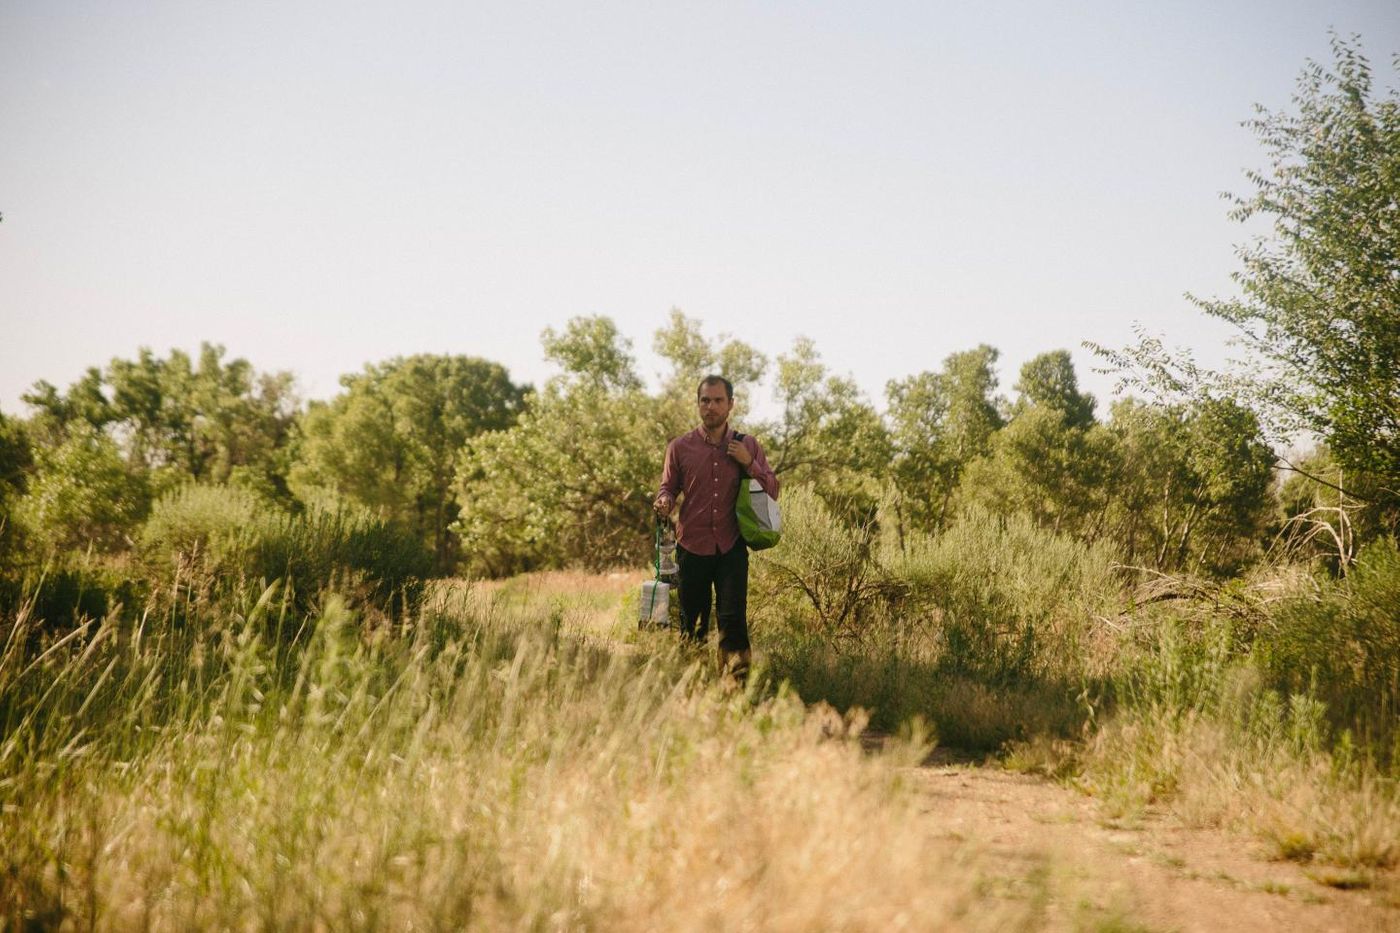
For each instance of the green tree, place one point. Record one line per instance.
(83, 494)
(53, 410)
(1194, 487)
(1041, 466)
(826, 424)
(591, 349)
(1319, 295)
(940, 422)
(16, 464)
(16, 459)
(692, 357)
(211, 420)
(827, 434)
(1053, 460)
(571, 484)
(393, 439)
(1049, 380)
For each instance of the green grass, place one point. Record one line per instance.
(471, 766)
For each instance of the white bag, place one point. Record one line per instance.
(765, 508)
(655, 607)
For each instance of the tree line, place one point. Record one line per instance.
(494, 477)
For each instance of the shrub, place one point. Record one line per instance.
(983, 631)
(61, 595)
(207, 538)
(198, 523)
(825, 578)
(1006, 600)
(1341, 644)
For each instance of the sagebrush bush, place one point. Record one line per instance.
(208, 539)
(989, 630)
(826, 577)
(80, 587)
(201, 523)
(1006, 600)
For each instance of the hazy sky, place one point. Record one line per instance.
(319, 185)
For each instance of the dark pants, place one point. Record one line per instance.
(727, 575)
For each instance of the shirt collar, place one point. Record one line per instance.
(728, 431)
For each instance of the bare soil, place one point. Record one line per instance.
(1091, 873)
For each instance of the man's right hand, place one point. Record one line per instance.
(663, 506)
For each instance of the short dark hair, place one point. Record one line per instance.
(713, 379)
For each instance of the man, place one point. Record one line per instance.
(708, 468)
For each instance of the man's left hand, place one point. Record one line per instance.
(741, 453)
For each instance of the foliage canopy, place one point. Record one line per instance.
(1319, 308)
(393, 439)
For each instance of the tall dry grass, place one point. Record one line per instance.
(473, 766)
(1200, 730)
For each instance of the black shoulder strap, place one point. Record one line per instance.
(738, 436)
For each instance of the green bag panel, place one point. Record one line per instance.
(760, 524)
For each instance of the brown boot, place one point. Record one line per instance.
(734, 668)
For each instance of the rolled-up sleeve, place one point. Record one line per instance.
(670, 474)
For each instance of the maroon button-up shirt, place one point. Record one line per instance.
(711, 480)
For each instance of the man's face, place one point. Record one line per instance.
(714, 405)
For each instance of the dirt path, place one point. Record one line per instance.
(1088, 873)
